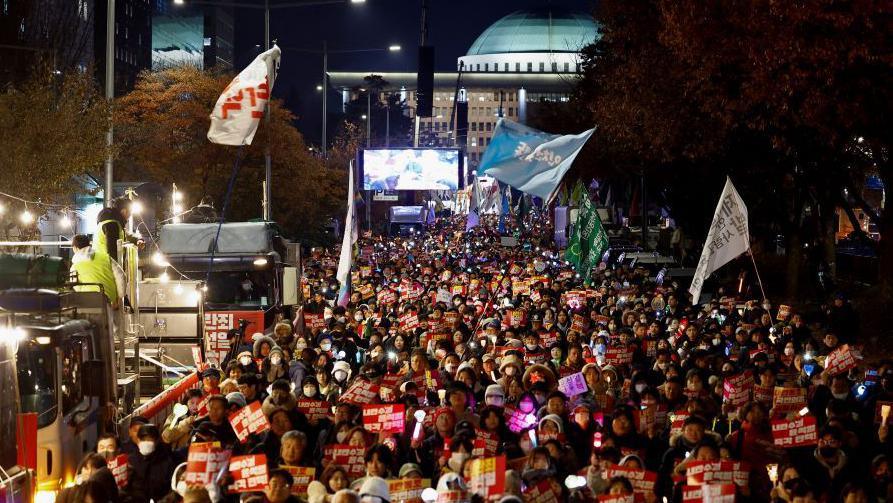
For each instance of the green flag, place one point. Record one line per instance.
(588, 240)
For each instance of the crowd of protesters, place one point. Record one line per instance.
(483, 338)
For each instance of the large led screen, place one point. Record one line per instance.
(411, 169)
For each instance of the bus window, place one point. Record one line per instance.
(74, 351)
(36, 365)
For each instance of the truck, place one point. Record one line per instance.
(16, 479)
(195, 294)
(407, 220)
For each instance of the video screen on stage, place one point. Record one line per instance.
(411, 169)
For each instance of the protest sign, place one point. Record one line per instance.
(573, 385)
(521, 287)
(444, 295)
(840, 360)
(578, 323)
(409, 321)
(783, 313)
(118, 467)
(247, 420)
(798, 432)
(614, 498)
(642, 480)
(787, 400)
(407, 490)
(217, 327)
(313, 409)
(677, 419)
(717, 472)
(490, 440)
(348, 457)
(366, 291)
(762, 394)
(313, 321)
(386, 296)
(302, 476)
(618, 356)
(385, 418)
(516, 317)
(709, 493)
(249, 473)
(736, 389)
(454, 496)
(487, 476)
(361, 392)
(204, 460)
(545, 491)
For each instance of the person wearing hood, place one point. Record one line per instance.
(341, 373)
(753, 442)
(151, 467)
(694, 430)
(550, 427)
(828, 467)
(247, 364)
(539, 466)
(283, 335)
(262, 346)
(581, 429)
(301, 367)
(274, 366)
(280, 397)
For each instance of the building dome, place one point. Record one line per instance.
(544, 30)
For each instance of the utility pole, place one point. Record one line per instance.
(110, 97)
(268, 168)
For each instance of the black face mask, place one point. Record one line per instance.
(790, 484)
(827, 452)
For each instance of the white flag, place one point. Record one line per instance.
(728, 238)
(241, 106)
(350, 237)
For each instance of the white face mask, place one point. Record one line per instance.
(640, 387)
(146, 447)
(450, 367)
(245, 360)
(275, 360)
(358, 317)
(530, 347)
(325, 346)
(841, 396)
(495, 400)
(456, 460)
(309, 391)
(341, 436)
(339, 375)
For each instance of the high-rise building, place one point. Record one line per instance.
(527, 59)
(194, 35)
(133, 41)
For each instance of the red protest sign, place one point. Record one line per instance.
(546, 491)
(249, 473)
(361, 392)
(517, 317)
(302, 476)
(118, 467)
(247, 420)
(709, 493)
(642, 480)
(487, 476)
(618, 356)
(762, 394)
(717, 472)
(517, 420)
(384, 418)
(386, 296)
(578, 323)
(349, 457)
(407, 490)
(840, 360)
(217, 327)
(736, 389)
(795, 433)
(783, 313)
(203, 461)
(313, 409)
(788, 399)
(614, 498)
(409, 321)
(490, 442)
(313, 321)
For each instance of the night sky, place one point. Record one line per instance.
(453, 25)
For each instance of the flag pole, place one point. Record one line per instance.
(760, 281)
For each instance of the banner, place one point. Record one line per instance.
(487, 476)
(719, 472)
(643, 481)
(727, 238)
(618, 356)
(529, 160)
(345, 261)
(799, 432)
(249, 473)
(736, 389)
(785, 400)
(217, 327)
(407, 490)
(241, 106)
(840, 360)
(588, 240)
(573, 385)
(709, 493)
(302, 476)
(384, 418)
(247, 420)
(313, 409)
(204, 460)
(118, 467)
(545, 491)
(361, 392)
(348, 457)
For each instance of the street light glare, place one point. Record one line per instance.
(363, 116)
(319, 88)
(178, 2)
(394, 48)
(357, 1)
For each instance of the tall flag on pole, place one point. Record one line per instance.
(728, 238)
(241, 106)
(588, 239)
(529, 160)
(350, 238)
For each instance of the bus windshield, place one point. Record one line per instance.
(37, 381)
(243, 289)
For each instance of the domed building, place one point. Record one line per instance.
(526, 59)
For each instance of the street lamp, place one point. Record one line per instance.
(325, 77)
(268, 171)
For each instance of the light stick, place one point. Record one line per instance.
(419, 419)
(885, 413)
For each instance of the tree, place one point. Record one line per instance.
(163, 124)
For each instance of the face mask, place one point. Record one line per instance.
(827, 452)
(640, 387)
(717, 341)
(530, 347)
(181, 488)
(495, 400)
(341, 436)
(456, 460)
(451, 368)
(600, 348)
(146, 447)
(840, 396)
(325, 346)
(788, 351)
(245, 360)
(358, 317)
(275, 360)
(663, 366)
(309, 391)
(339, 375)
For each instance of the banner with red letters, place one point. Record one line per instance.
(361, 392)
(618, 356)
(787, 400)
(717, 472)
(407, 490)
(217, 327)
(118, 467)
(385, 418)
(302, 476)
(799, 432)
(487, 476)
(313, 409)
(709, 493)
(314, 321)
(204, 460)
(248, 420)
(736, 390)
(840, 360)
(349, 457)
(249, 473)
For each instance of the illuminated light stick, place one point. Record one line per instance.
(419, 419)
(772, 470)
(804, 411)
(885, 413)
(597, 440)
(532, 434)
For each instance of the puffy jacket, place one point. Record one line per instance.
(150, 476)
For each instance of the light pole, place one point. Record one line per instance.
(325, 79)
(109, 96)
(268, 170)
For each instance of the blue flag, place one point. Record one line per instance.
(529, 160)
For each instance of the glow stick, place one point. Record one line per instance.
(419, 419)
(532, 435)
(885, 413)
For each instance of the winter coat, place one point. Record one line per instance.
(150, 476)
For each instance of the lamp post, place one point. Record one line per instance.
(109, 96)
(268, 171)
(325, 79)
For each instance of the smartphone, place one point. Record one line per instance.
(809, 368)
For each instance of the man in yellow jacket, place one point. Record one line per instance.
(94, 266)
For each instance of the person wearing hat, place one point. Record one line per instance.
(150, 469)
(274, 366)
(211, 381)
(495, 396)
(130, 445)
(375, 490)
(410, 471)
(176, 429)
